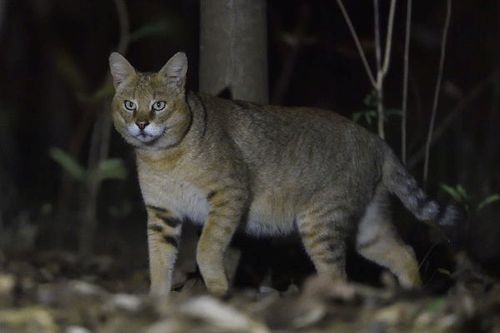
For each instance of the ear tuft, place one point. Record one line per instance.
(120, 68)
(174, 71)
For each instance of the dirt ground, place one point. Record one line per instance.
(55, 292)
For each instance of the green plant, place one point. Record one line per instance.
(111, 168)
(460, 194)
(370, 115)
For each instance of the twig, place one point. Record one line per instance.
(382, 65)
(287, 70)
(388, 39)
(405, 80)
(123, 19)
(428, 253)
(382, 68)
(376, 28)
(357, 42)
(461, 106)
(379, 87)
(99, 147)
(437, 90)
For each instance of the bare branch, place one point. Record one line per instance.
(123, 19)
(382, 64)
(287, 69)
(379, 87)
(378, 46)
(388, 39)
(358, 43)
(461, 107)
(438, 89)
(405, 80)
(99, 147)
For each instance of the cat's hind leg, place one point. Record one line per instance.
(324, 229)
(377, 240)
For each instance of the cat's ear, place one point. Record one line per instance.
(120, 68)
(174, 71)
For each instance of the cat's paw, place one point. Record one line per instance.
(217, 287)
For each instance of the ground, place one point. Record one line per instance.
(55, 292)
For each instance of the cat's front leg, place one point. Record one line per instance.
(164, 230)
(226, 209)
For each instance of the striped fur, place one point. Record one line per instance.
(264, 170)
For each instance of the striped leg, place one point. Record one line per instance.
(324, 231)
(378, 241)
(163, 236)
(223, 219)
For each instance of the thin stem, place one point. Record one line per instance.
(379, 87)
(388, 40)
(124, 22)
(382, 65)
(290, 61)
(405, 80)
(437, 90)
(99, 148)
(357, 42)
(459, 109)
(378, 47)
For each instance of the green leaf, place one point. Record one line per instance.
(356, 116)
(106, 90)
(111, 168)
(488, 201)
(463, 193)
(68, 163)
(444, 271)
(452, 192)
(436, 305)
(371, 99)
(68, 68)
(369, 116)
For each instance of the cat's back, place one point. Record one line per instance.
(266, 129)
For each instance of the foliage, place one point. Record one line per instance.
(459, 194)
(369, 115)
(111, 168)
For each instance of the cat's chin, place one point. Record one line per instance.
(142, 140)
(146, 138)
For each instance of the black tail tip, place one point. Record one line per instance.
(451, 215)
(452, 222)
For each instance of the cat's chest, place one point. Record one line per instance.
(172, 193)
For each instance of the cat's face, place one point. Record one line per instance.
(149, 109)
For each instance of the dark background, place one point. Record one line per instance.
(53, 60)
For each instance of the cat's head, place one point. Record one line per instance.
(149, 109)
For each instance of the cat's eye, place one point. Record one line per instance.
(158, 106)
(129, 105)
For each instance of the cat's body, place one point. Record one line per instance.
(265, 170)
(282, 161)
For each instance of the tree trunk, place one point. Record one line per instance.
(233, 48)
(233, 55)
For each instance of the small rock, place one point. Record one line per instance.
(76, 329)
(216, 313)
(7, 284)
(126, 302)
(28, 320)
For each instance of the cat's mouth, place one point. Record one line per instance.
(144, 137)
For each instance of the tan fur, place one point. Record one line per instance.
(231, 165)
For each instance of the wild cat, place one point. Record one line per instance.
(265, 170)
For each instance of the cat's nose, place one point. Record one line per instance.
(142, 124)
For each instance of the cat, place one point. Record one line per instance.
(265, 170)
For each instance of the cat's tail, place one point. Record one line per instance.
(399, 182)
